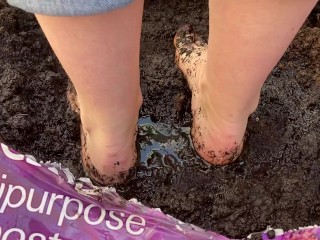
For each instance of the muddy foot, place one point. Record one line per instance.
(112, 170)
(216, 141)
(116, 172)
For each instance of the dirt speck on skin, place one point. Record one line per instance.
(277, 178)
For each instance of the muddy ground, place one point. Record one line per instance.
(276, 181)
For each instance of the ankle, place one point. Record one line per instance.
(228, 113)
(103, 112)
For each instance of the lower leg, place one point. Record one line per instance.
(101, 56)
(246, 41)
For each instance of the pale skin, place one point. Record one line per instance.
(101, 56)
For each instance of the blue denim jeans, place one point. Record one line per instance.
(68, 7)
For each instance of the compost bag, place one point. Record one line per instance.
(43, 201)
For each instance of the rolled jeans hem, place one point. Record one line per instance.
(68, 7)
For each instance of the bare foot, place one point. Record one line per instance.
(103, 164)
(116, 165)
(216, 140)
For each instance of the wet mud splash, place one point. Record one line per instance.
(275, 182)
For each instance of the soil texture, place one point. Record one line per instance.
(275, 182)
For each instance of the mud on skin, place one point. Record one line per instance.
(93, 173)
(276, 180)
(191, 57)
(89, 169)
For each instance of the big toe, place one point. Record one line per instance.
(190, 48)
(184, 37)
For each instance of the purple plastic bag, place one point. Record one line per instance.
(44, 202)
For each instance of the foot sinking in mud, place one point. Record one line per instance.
(213, 141)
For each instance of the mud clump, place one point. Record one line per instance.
(276, 180)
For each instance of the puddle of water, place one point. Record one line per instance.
(165, 149)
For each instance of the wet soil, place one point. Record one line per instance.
(277, 178)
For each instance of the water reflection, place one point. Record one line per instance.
(165, 148)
